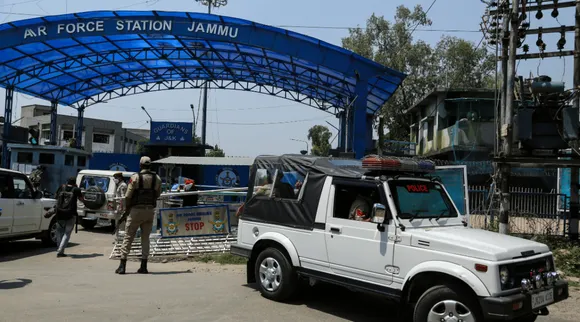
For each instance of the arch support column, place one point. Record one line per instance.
(53, 122)
(6, 135)
(79, 129)
(360, 120)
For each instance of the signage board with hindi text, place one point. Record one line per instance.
(195, 221)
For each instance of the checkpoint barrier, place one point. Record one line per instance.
(193, 241)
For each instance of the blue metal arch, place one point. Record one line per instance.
(93, 56)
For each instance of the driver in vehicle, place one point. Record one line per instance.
(360, 210)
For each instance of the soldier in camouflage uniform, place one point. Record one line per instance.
(142, 192)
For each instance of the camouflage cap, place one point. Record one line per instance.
(118, 175)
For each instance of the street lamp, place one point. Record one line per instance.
(307, 147)
(150, 118)
(212, 3)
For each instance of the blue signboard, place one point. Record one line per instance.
(171, 132)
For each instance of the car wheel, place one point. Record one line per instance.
(275, 275)
(88, 224)
(49, 239)
(440, 303)
(527, 318)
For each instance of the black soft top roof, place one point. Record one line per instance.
(346, 168)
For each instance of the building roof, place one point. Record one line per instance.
(440, 90)
(81, 59)
(228, 161)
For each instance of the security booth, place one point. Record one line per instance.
(51, 165)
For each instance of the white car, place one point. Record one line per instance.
(22, 210)
(98, 189)
(410, 244)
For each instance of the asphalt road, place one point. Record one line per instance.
(37, 286)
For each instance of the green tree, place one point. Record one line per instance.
(141, 148)
(216, 152)
(391, 43)
(464, 64)
(319, 135)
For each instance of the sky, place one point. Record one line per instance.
(250, 124)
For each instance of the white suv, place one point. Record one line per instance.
(412, 246)
(22, 210)
(98, 189)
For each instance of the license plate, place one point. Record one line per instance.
(102, 221)
(542, 299)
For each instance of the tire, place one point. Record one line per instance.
(275, 275)
(99, 198)
(442, 301)
(88, 224)
(528, 318)
(49, 238)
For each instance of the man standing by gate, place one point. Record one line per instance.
(142, 192)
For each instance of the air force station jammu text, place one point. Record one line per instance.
(99, 26)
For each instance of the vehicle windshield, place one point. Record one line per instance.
(95, 181)
(421, 199)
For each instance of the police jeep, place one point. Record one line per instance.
(415, 248)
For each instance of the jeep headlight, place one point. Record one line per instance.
(504, 275)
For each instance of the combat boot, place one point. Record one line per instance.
(143, 268)
(122, 266)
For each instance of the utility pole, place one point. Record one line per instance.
(209, 4)
(573, 232)
(506, 130)
(520, 27)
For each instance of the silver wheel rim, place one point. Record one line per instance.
(270, 274)
(53, 232)
(450, 311)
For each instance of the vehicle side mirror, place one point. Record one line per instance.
(38, 194)
(378, 215)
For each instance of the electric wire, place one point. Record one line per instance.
(262, 123)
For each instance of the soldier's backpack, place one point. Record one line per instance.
(65, 201)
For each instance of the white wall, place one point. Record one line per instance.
(104, 147)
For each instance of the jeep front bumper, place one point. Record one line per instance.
(511, 306)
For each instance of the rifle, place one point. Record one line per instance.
(122, 219)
